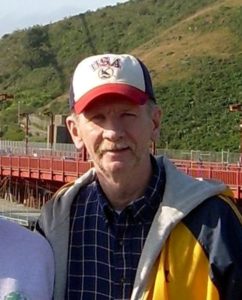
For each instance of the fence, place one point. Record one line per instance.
(224, 157)
(37, 149)
(68, 150)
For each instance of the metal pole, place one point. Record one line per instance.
(19, 112)
(27, 133)
(26, 115)
(52, 131)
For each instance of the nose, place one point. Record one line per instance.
(113, 130)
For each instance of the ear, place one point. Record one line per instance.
(156, 119)
(72, 125)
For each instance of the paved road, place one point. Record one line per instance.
(18, 213)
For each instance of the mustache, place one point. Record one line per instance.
(105, 147)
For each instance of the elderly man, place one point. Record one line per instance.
(134, 227)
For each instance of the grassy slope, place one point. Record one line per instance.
(193, 49)
(196, 68)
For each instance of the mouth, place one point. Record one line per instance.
(115, 150)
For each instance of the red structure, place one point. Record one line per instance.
(43, 168)
(229, 174)
(33, 180)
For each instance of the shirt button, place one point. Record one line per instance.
(122, 280)
(120, 243)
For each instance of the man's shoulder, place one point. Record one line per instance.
(218, 210)
(56, 212)
(70, 189)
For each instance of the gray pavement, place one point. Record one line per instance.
(18, 213)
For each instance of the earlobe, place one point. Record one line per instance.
(71, 124)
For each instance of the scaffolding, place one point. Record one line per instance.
(11, 206)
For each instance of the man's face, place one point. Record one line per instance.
(117, 134)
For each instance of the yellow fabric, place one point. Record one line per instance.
(182, 272)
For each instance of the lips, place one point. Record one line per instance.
(114, 148)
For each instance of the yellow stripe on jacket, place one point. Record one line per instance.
(182, 270)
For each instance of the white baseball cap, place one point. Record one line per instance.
(97, 76)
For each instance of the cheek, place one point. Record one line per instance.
(92, 139)
(144, 129)
(140, 137)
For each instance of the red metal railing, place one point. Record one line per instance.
(66, 170)
(46, 168)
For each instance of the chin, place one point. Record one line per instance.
(116, 167)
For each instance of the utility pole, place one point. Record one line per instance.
(51, 128)
(26, 115)
(19, 111)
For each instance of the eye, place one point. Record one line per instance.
(129, 114)
(97, 118)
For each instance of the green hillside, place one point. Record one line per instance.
(192, 47)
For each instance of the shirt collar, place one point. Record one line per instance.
(144, 208)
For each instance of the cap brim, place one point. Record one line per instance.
(100, 93)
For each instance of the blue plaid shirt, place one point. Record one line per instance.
(104, 246)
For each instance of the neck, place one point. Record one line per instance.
(122, 189)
